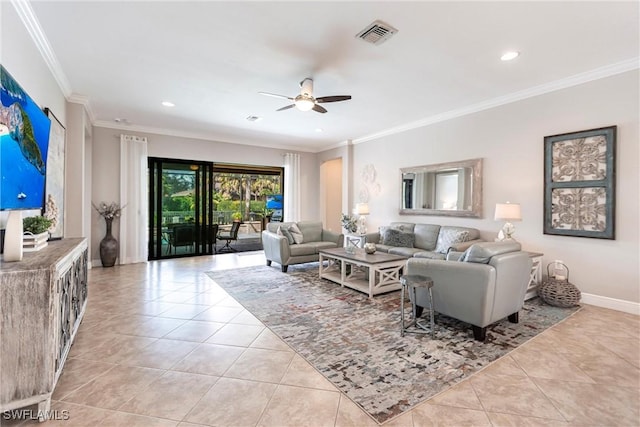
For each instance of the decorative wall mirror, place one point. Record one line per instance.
(445, 189)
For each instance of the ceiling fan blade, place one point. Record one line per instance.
(275, 95)
(286, 107)
(319, 108)
(333, 98)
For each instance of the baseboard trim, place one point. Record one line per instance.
(612, 303)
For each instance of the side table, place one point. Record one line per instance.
(410, 283)
(535, 276)
(355, 240)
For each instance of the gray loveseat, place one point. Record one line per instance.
(283, 250)
(481, 286)
(422, 240)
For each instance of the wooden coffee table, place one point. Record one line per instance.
(372, 274)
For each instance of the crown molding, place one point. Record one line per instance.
(84, 101)
(201, 136)
(575, 80)
(31, 23)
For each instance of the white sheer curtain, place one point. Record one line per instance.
(291, 187)
(133, 194)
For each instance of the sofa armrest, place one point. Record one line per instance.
(332, 236)
(276, 248)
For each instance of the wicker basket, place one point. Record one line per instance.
(559, 293)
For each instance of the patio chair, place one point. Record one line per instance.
(229, 237)
(181, 235)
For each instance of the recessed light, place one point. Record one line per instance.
(318, 130)
(508, 56)
(168, 104)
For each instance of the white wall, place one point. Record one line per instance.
(510, 140)
(106, 169)
(23, 61)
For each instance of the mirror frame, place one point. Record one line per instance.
(476, 196)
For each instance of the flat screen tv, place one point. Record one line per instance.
(24, 142)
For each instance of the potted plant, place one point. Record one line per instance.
(36, 233)
(36, 224)
(236, 216)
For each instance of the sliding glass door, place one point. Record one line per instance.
(180, 208)
(190, 202)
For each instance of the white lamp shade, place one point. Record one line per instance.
(362, 209)
(508, 212)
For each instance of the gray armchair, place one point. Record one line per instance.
(485, 284)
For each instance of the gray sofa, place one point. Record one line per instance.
(422, 240)
(485, 284)
(314, 238)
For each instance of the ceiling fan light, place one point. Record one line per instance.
(304, 104)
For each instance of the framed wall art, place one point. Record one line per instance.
(579, 183)
(55, 173)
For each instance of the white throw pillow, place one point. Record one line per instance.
(296, 233)
(448, 237)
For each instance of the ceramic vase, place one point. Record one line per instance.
(109, 247)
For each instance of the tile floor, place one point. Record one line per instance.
(163, 345)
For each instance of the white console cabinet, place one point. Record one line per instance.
(42, 301)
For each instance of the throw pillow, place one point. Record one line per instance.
(296, 233)
(284, 231)
(477, 254)
(394, 237)
(448, 237)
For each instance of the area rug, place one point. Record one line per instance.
(355, 341)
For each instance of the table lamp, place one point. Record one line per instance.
(507, 212)
(362, 210)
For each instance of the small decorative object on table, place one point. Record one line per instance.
(349, 223)
(370, 248)
(109, 246)
(557, 290)
(51, 213)
(36, 233)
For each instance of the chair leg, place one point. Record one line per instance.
(284, 268)
(514, 318)
(479, 334)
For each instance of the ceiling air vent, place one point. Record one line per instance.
(377, 33)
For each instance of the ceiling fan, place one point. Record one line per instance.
(305, 101)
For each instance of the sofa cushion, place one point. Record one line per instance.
(405, 252)
(482, 252)
(311, 230)
(426, 236)
(298, 237)
(403, 226)
(394, 237)
(323, 245)
(302, 249)
(448, 237)
(283, 230)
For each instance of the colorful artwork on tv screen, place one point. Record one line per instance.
(24, 140)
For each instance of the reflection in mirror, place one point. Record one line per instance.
(446, 189)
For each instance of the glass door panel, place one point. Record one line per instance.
(180, 208)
